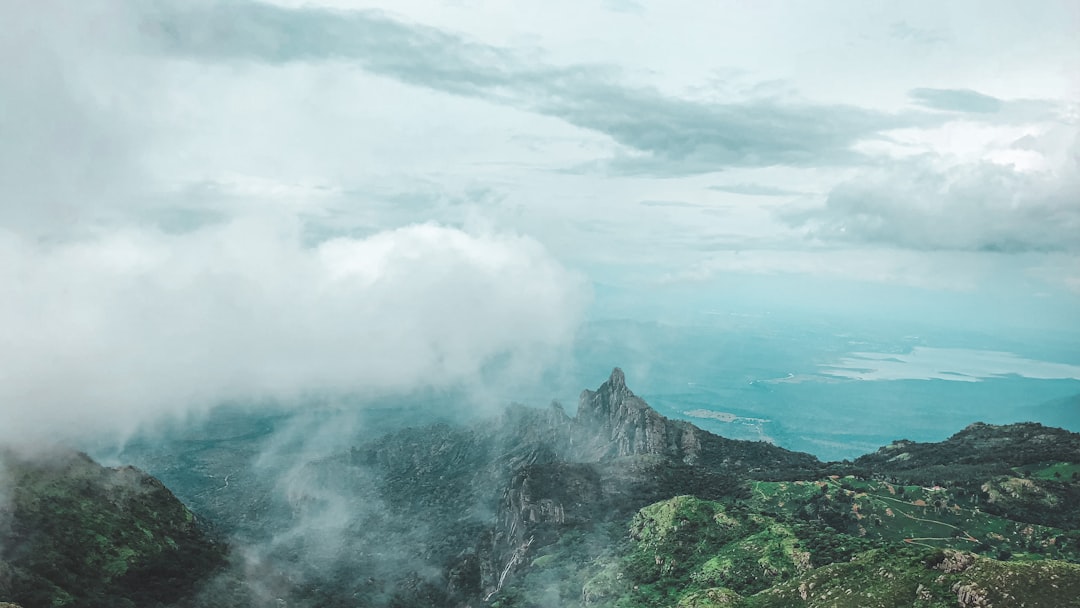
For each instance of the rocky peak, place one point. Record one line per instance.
(617, 378)
(613, 422)
(610, 400)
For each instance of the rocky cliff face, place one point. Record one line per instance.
(613, 423)
(519, 482)
(615, 456)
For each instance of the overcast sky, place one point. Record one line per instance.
(213, 199)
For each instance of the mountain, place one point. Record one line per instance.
(75, 533)
(979, 448)
(560, 490)
(686, 552)
(615, 506)
(614, 423)
(542, 472)
(1021, 471)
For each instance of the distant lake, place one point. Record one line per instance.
(836, 393)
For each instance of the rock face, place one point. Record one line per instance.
(79, 534)
(613, 423)
(517, 483)
(615, 456)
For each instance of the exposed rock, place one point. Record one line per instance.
(612, 422)
(956, 561)
(970, 595)
(615, 456)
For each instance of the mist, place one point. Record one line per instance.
(112, 331)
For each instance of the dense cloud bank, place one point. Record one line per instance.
(105, 332)
(982, 206)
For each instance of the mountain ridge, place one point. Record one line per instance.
(503, 512)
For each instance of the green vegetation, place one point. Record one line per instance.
(672, 552)
(1056, 471)
(691, 553)
(79, 534)
(935, 517)
(671, 518)
(927, 579)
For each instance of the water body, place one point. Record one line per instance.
(831, 389)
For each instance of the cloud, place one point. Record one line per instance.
(956, 100)
(132, 291)
(979, 206)
(754, 190)
(991, 109)
(681, 204)
(902, 30)
(68, 134)
(106, 332)
(661, 134)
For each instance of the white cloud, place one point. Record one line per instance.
(64, 141)
(108, 332)
(1030, 204)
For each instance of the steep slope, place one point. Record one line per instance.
(504, 501)
(622, 455)
(494, 494)
(78, 534)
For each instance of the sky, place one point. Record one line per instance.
(212, 200)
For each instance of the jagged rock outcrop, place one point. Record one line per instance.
(616, 455)
(541, 501)
(612, 422)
